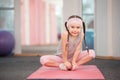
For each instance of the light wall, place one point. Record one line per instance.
(107, 34)
(102, 28)
(116, 27)
(17, 27)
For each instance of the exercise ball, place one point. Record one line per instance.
(7, 43)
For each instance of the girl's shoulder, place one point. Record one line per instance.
(64, 34)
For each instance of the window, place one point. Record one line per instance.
(7, 15)
(88, 17)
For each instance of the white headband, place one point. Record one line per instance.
(74, 20)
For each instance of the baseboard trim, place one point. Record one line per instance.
(41, 54)
(31, 54)
(108, 57)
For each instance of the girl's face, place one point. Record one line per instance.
(75, 28)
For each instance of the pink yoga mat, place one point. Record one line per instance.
(83, 72)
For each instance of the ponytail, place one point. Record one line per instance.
(67, 31)
(84, 31)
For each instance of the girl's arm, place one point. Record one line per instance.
(64, 42)
(77, 51)
(65, 50)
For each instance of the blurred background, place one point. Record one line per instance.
(37, 24)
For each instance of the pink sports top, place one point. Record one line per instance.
(72, 46)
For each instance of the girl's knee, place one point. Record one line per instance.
(48, 58)
(43, 59)
(92, 53)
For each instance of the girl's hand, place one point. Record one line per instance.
(74, 66)
(68, 65)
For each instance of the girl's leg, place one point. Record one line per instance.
(50, 60)
(86, 57)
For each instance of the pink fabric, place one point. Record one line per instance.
(33, 23)
(86, 72)
(47, 58)
(73, 21)
(84, 53)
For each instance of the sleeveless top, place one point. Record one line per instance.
(72, 46)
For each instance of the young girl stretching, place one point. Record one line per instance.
(69, 53)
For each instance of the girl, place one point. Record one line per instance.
(69, 53)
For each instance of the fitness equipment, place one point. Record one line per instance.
(7, 43)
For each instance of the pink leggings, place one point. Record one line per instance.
(46, 58)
